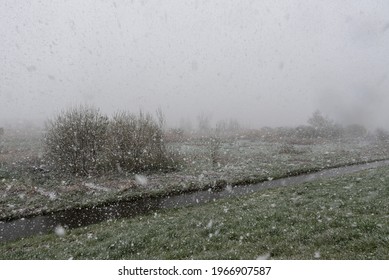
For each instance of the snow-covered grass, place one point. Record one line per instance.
(28, 188)
(342, 218)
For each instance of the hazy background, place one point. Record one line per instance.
(264, 63)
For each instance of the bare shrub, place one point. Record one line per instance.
(325, 127)
(82, 141)
(75, 140)
(136, 143)
(204, 123)
(214, 145)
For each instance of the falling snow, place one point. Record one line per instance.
(263, 257)
(140, 56)
(141, 180)
(317, 255)
(60, 231)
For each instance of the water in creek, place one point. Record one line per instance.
(74, 218)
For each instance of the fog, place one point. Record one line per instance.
(263, 63)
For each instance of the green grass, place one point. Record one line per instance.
(341, 218)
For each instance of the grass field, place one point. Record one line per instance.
(26, 188)
(342, 218)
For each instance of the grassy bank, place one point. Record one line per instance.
(342, 218)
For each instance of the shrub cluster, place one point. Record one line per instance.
(83, 141)
(319, 127)
(137, 143)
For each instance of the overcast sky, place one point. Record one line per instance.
(264, 63)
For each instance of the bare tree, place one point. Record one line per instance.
(204, 123)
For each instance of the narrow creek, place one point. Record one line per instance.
(74, 218)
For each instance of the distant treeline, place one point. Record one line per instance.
(318, 127)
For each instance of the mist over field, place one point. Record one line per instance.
(194, 129)
(263, 63)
